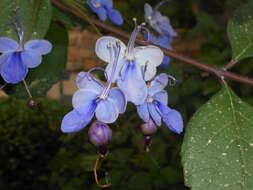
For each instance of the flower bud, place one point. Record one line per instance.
(99, 134)
(32, 103)
(149, 128)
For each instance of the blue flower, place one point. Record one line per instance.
(162, 41)
(16, 59)
(103, 8)
(136, 65)
(161, 24)
(155, 106)
(93, 98)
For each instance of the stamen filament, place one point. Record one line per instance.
(27, 89)
(20, 28)
(130, 45)
(117, 50)
(158, 6)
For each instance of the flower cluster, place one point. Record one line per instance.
(164, 33)
(133, 70)
(104, 8)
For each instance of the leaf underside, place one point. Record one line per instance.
(217, 152)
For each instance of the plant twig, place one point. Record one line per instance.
(186, 60)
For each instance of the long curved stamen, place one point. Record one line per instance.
(115, 60)
(130, 45)
(20, 29)
(172, 80)
(158, 6)
(90, 77)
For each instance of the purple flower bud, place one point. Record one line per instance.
(148, 128)
(99, 134)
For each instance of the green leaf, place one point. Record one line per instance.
(240, 29)
(41, 79)
(36, 16)
(217, 151)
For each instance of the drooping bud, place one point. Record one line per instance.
(99, 135)
(32, 103)
(149, 128)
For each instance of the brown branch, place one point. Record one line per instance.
(186, 60)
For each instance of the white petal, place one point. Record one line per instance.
(102, 50)
(151, 54)
(150, 72)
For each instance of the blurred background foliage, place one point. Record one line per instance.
(34, 154)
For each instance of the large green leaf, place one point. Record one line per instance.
(240, 30)
(41, 79)
(217, 152)
(36, 16)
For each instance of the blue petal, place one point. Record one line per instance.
(31, 58)
(42, 47)
(4, 58)
(101, 12)
(80, 117)
(106, 111)
(74, 122)
(171, 118)
(162, 97)
(14, 71)
(82, 99)
(166, 62)
(133, 84)
(119, 99)
(85, 81)
(164, 41)
(163, 23)
(154, 114)
(148, 11)
(158, 84)
(143, 112)
(115, 16)
(7, 44)
(107, 3)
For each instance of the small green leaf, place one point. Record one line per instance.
(217, 152)
(41, 79)
(36, 16)
(240, 30)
